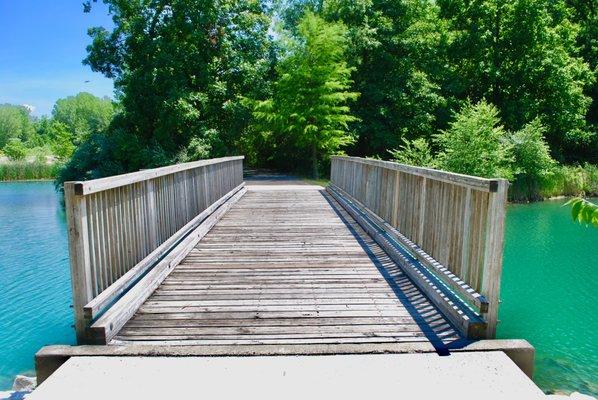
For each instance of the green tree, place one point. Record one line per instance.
(585, 14)
(180, 65)
(475, 143)
(57, 136)
(308, 113)
(15, 123)
(179, 68)
(83, 115)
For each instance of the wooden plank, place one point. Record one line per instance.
(263, 282)
(271, 332)
(141, 321)
(103, 330)
(158, 341)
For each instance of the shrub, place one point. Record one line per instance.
(15, 149)
(531, 161)
(414, 152)
(591, 185)
(475, 143)
(565, 181)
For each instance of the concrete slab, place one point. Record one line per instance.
(477, 375)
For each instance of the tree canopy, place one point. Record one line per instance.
(487, 87)
(178, 68)
(83, 115)
(15, 123)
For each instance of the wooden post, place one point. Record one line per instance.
(76, 212)
(422, 213)
(493, 251)
(466, 248)
(152, 217)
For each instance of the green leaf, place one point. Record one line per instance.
(576, 209)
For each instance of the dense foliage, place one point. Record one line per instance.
(81, 116)
(488, 87)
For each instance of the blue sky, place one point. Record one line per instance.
(42, 45)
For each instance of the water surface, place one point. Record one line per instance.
(34, 276)
(549, 294)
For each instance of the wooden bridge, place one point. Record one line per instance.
(176, 265)
(192, 255)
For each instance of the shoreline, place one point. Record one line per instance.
(554, 198)
(27, 180)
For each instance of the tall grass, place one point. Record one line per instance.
(564, 180)
(25, 170)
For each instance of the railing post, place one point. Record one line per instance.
(422, 212)
(493, 251)
(466, 248)
(76, 213)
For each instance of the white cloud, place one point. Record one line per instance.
(29, 108)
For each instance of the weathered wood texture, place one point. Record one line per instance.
(456, 219)
(467, 321)
(286, 265)
(119, 223)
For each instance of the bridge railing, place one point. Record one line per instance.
(457, 220)
(119, 226)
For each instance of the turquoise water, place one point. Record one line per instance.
(549, 294)
(548, 287)
(34, 276)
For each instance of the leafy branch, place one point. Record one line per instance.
(583, 211)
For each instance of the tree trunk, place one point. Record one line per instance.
(496, 55)
(314, 161)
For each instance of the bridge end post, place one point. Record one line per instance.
(78, 238)
(493, 252)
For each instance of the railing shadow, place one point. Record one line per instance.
(429, 319)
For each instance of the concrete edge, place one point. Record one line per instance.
(48, 359)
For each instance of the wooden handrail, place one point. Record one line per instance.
(452, 223)
(474, 182)
(120, 226)
(97, 185)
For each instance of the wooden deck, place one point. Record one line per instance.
(286, 265)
